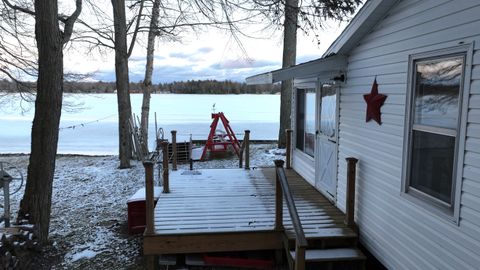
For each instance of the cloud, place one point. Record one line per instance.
(241, 64)
(142, 58)
(168, 70)
(205, 49)
(193, 56)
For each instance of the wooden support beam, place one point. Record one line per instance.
(247, 149)
(166, 186)
(174, 150)
(149, 200)
(350, 203)
(213, 242)
(288, 156)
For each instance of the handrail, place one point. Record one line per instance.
(297, 224)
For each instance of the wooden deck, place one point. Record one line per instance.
(234, 209)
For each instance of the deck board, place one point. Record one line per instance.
(238, 200)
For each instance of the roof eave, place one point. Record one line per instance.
(333, 63)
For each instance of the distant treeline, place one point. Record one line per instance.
(184, 87)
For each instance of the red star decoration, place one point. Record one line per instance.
(374, 102)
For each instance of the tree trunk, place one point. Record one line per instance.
(289, 57)
(122, 83)
(147, 82)
(37, 199)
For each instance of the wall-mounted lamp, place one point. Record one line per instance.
(339, 78)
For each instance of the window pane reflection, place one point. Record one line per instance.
(437, 91)
(328, 111)
(310, 123)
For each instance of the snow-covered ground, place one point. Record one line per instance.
(89, 212)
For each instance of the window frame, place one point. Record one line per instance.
(305, 90)
(449, 212)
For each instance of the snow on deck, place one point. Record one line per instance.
(238, 200)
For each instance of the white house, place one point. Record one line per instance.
(418, 175)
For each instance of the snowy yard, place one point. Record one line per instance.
(88, 229)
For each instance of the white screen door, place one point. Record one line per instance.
(326, 146)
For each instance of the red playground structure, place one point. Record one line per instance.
(218, 140)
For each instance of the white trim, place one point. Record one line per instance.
(435, 130)
(264, 78)
(463, 129)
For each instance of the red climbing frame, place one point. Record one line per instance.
(220, 143)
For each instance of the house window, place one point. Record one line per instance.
(435, 98)
(305, 128)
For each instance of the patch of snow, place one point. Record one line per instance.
(89, 207)
(86, 254)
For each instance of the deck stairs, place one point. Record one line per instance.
(337, 251)
(327, 249)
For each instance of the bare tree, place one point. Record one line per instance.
(50, 38)
(147, 81)
(122, 82)
(183, 16)
(309, 16)
(289, 59)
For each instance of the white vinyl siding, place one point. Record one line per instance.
(304, 165)
(401, 234)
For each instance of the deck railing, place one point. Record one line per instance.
(288, 152)
(245, 148)
(149, 200)
(350, 203)
(166, 183)
(174, 150)
(283, 189)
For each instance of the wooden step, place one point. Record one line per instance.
(332, 255)
(327, 233)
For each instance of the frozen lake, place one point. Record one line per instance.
(95, 118)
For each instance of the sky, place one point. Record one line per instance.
(210, 54)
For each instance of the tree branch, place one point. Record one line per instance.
(70, 21)
(18, 8)
(135, 32)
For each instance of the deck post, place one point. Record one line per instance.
(278, 199)
(350, 203)
(288, 156)
(174, 150)
(299, 257)
(247, 149)
(148, 165)
(166, 186)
